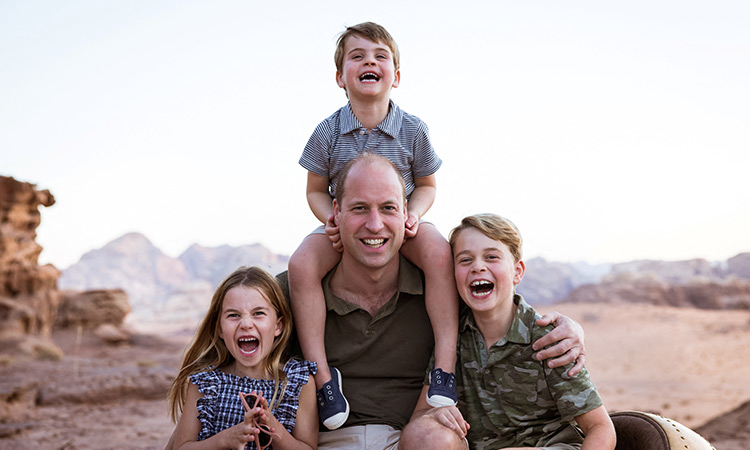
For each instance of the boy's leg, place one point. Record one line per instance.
(312, 260)
(431, 252)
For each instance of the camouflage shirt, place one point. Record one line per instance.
(509, 398)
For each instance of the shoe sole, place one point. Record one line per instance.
(438, 401)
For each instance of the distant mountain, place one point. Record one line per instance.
(162, 288)
(548, 282)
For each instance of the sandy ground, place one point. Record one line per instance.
(686, 364)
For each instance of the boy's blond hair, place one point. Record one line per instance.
(370, 31)
(494, 227)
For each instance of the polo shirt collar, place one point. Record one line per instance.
(409, 282)
(391, 125)
(519, 332)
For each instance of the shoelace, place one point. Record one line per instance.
(266, 435)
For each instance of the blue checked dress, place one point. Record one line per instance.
(221, 408)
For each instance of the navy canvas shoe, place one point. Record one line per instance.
(332, 405)
(442, 391)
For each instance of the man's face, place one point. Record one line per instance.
(372, 214)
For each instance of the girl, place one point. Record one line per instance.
(236, 385)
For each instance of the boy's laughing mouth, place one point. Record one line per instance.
(369, 77)
(481, 288)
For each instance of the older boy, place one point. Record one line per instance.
(367, 68)
(508, 398)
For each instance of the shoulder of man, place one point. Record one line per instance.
(283, 280)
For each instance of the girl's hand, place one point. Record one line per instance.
(259, 416)
(412, 225)
(332, 230)
(239, 435)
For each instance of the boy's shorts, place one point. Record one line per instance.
(568, 439)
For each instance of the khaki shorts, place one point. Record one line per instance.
(567, 439)
(360, 437)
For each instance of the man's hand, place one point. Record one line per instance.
(567, 338)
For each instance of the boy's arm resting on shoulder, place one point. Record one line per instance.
(598, 429)
(567, 338)
(425, 189)
(318, 197)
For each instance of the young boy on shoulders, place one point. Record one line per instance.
(508, 398)
(367, 68)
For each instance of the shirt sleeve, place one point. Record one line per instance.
(316, 155)
(573, 396)
(426, 161)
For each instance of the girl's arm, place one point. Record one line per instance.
(305, 433)
(188, 428)
(318, 198)
(420, 202)
(598, 429)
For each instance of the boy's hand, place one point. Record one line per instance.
(332, 230)
(412, 225)
(567, 338)
(450, 416)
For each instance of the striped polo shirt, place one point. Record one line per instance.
(401, 137)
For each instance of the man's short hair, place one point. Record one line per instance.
(366, 158)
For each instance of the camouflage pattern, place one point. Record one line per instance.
(509, 398)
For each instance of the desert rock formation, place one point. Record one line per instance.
(28, 291)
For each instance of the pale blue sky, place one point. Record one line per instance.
(608, 131)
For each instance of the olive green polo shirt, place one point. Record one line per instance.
(382, 358)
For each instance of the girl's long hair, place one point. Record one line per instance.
(207, 350)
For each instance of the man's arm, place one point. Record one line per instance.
(567, 338)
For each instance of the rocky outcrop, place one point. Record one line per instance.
(28, 291)
(631, 288)
(91, 309)
(732, 428)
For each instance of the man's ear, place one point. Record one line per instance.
(336, 212)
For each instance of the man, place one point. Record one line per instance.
(377, 332)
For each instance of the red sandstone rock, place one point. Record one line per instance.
(28, 291)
